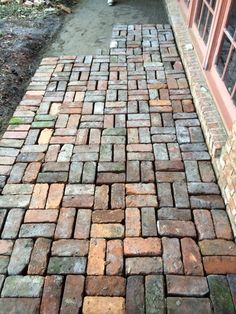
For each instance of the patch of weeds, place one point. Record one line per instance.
(15, 10)
(16, 121)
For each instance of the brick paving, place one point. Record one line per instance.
(109, 201)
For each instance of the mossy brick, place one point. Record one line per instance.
(45, 117)
(67, 265)
(154, 294)
(114, 132)
(4, 261)
(220, 294)
(11, 201)
(23, 286)
(42, 124)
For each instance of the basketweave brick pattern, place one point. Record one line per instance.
(109, 201)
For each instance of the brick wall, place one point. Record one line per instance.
(222, 146)
(226, 173)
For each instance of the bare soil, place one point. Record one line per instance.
(21, 46)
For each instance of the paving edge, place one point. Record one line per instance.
(222, 146)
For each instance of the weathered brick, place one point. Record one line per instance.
(23, 286)
(187, 285)
(118, 196)
(154, 294)
(96, 257)
(69, 247)
(132, 222)
(41, 215)
(101, 197)
(26, 305)
(142, 247)
(106, 216)
(166, 213)
(82, 224)
(114, 257)
(55, 195)
(172, 256)
(179, 305)
(217, 247)
(219, 264)
(107, 231)
(143, 265)
(135, 302)
(149, 227)
(176, 228)
(20, 256)
(45, 230)
(65, 223)
(12, 223)
(191, 257)
(105, 286)
(220, 294)
(221, 224)
(204, 224)
(51, 294)
(39, 257)
(67, 265)
(39, 196)
(73, 293)
(104, 305)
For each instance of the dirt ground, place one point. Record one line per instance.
(21, 47)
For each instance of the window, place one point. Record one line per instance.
(204, 18)
(226, 58)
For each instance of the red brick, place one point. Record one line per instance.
(187, 285)
(132, 222)
(73, 294)
(222, 224)
(118, 196)
(172, 256)
(81, 201)
(191, 258)
(141, 201)
(140, 189)
(101, 197)
(107, 231)
(114, 257)
(39, 196)
(176, 228)
(39, 257)
(55, 195)
(51, 295)
(31, 172)
(104, 305)
(105, 216)
(41, 215)
(82, 225)
(112, 286)
(204, 224)
(142, 247)
(219, 264)
(96, 257)
(65, 223)
(6, 247)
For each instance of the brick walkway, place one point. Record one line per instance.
(109, 202)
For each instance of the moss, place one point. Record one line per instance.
(16, 121)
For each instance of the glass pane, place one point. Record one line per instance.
(198, 13)
(187, 2)
(212, 3)
(223, 54)
(230, 75)
(208, 28)
(203, 21)
(231, 25)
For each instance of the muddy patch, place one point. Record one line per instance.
(21, 46)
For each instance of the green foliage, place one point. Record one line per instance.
(15, 10)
